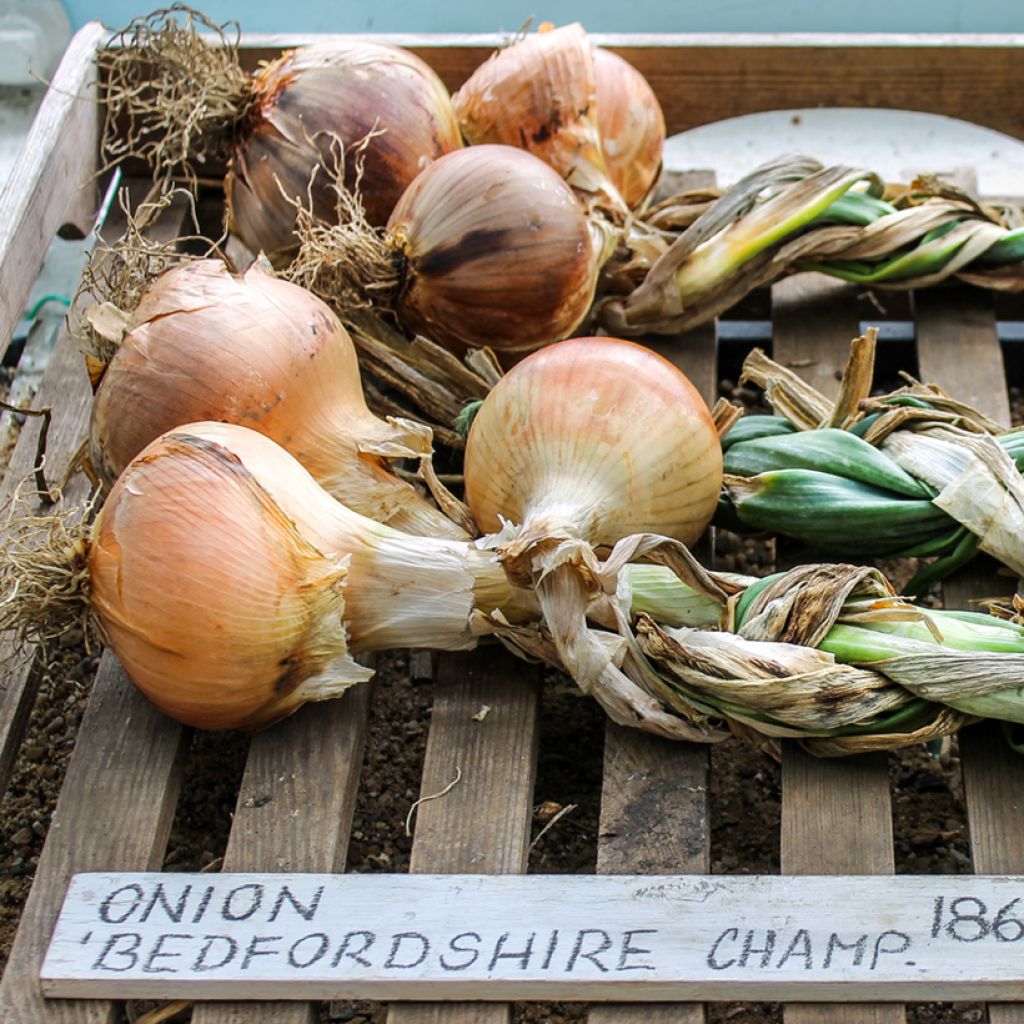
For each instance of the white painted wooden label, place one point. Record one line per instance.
(597, 938)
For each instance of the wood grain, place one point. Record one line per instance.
(294, 813)
(114, 812)
(709, 77)
(836, 815)
(654, 793)
(482, 824)
(57, 162)
(65, 389)
(958, 348)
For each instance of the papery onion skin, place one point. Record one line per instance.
(540, 94)
(232, 587)
(599, 435)
(631, 124)
(496, 251)
(340, 89)
(217, 608)
(205, 344)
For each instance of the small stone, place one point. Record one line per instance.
(22, 837)
(71, 638)
(34, 753)
(39, 828)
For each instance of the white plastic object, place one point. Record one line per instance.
(33, 35)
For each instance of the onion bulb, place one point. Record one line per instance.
(348, 91)
(587, 444)
(598, 437)
(233, 588)
(541, 94)
(204, 344)
(487, 247)
(631, 125)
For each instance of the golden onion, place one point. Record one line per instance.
(599, 437)
(205, 344)
(593, 443)
(540, 94)
(233, 588)
(487, 247)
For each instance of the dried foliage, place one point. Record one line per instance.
(171, 97)
(44, 572)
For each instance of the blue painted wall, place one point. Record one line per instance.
(597, 15)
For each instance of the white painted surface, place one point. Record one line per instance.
(896, 144)
(131, 935)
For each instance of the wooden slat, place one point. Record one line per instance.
(56, 164)
(836, 815)
(654, 820)
(482, 824)
(958, 348)
(709, 77)
(294, 813)
(66, 390)
(654, 794)
(114, 812)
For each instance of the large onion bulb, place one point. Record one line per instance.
(587, 444)
(496, 251)
(204, 344)
(233, 588)
(597, 436)
(540, 94)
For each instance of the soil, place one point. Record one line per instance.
(928, 811)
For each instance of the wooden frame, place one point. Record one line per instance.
(122, 784)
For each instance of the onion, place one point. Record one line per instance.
(252, 349)
(590, 443)
(631, 125)
(233, 588)
(596, 437)
(488, 246)
(175, 100)
(541, 94)
(349, 91)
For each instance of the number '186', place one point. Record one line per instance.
(967, 919)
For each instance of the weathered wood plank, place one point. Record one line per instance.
(958, 348)
(654, 794)
(294, 813)
(114, 813)
(709, 77)
(57, 161)
(496, 937)
(482, 824)
(654, 820)
(65, 389)
(836, 815)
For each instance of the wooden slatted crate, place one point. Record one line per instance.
(123, 780)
